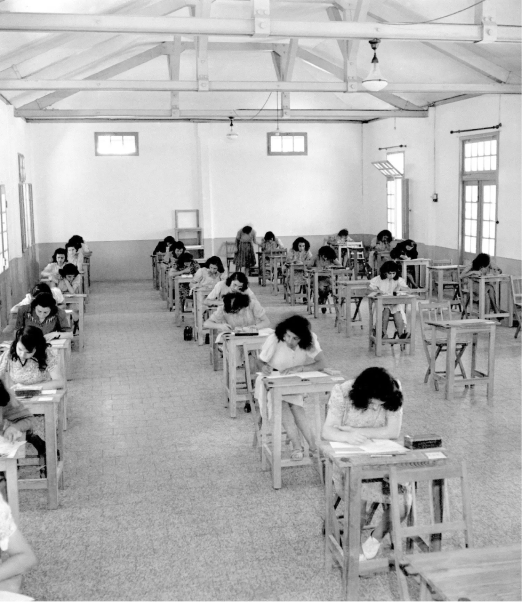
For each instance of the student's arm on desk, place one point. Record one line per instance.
(392, 430)
(318, 364)
(21, 558)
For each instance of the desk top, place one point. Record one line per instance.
(445, 267)
(490, 277)
(43, 398)
(462, 324)
(414, 456)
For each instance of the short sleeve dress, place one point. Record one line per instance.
(28, 373)
(388, 287)
(340, 407)
(245, 256)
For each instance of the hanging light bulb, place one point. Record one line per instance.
(232, 135)
(374, 81)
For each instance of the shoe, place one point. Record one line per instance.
(404, 335)
(247, 409)
(297, 455)
(323, 309)
(370, 548)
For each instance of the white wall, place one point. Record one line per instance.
(181, 166)
(432, 165)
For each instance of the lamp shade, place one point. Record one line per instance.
(374, 81)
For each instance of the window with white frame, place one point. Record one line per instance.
(479, 194)
(122, 144)
(4, 247)
(394, 195)
(284, 143)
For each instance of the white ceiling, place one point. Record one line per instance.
(422, 65)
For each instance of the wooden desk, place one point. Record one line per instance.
(379, 301)
(271, 428)
(496, 281)
(355, 469)
(470, 574)
(185, 278)
(291, 270)
(51, 407)
(261, 258)
(276, 269)
(163, 271)
(356, 261)
(312, 284)
(422, 274)
(156, 262)
(379, 258)
(437, 277)
(9, 466)
(85, 281)
(199, 294)
(231, 344)
(77, 302)
(348, 289)
(454, 329)
(339, 248)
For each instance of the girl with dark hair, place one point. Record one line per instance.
(163, 245)
(270, 243)
(75, 254)
(44, 314)
(174, 252)
(239, 312)
(185, 264)
(300, 252)
(293, 348)
(40, 287)
(14, 416)
(407, 249)
(30, 362)
(380, 243)
(326, 258)
(390, 283)
(51, 270)
(245, 257)
(369, 407)
(481, 266)
(71, 281)
(237, 282)
(209, 275)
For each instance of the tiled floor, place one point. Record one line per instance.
(165, 498)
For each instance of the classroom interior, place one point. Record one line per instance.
(164, 495)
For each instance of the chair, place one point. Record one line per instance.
(439, 312)
(516, 289)
(433, 520)
(230, 252)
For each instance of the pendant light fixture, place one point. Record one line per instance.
(374, 81)
(232, 135)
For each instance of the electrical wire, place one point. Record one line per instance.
(259, 109)
(438, 18)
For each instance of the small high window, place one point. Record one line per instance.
(282, 143)
(122, 144)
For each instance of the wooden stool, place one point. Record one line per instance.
(376, 339)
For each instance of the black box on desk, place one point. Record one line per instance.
(422, 441)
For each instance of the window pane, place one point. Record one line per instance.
(480, 164)
(299, 144)
(288, 144)
(493, 163)
(397, 160)
(474, 211)
(467, 165)
(493, 147)
(487, 147)
(275, 144)
(487, 163)
(473, 163)
(467, 149)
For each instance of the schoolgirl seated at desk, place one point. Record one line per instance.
(30, 362)
(390, 283)
(326, 258)
(369, 407)
(163, 245)
(52, 270)
(270, 243)
(481, 266)
(44, 314)
(210, 274)
(174, 252)
(379, 244)
(71, 283)
(407, 249)
(239, 311)
(237, 282)
(185, 265)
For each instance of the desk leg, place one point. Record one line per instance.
(378, 327)
(276, 440)
(352, 534)
(413, 326)
(81, 307)
(433, 359)
(482, 298)
(329, 512)
(474, 354)
(491, 365)
(450, 363)
(438, 497)
(50, 419)
(348, 311)
(232, 378)
(265, 429)
(11, 478)
(316, 293)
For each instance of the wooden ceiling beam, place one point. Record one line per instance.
(174, 62)
(218, 115)
(43, 22)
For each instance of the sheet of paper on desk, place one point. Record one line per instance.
(372, 447)
(7, 449)
(12, 597)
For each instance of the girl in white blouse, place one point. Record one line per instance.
(390, 283)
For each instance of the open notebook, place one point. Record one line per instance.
(373, 447)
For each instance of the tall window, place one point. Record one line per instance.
(4, 249)
(479, 194)
(394, 196)
(25, 196)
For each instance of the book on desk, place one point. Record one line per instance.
(373, 447)
(303, 377)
